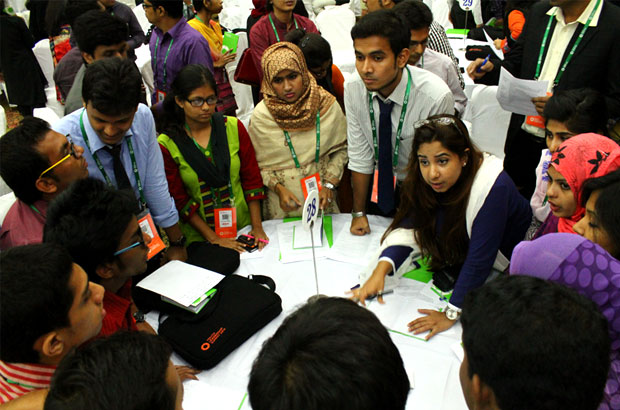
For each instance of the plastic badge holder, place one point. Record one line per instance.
(230, 42)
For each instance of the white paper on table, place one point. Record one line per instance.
(251, 255)
(287, 253)
(354, 249)
(301, 236)
(181, 282)
(498, 52)
(458, 350)
(515, 95)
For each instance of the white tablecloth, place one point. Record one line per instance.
(434, 365)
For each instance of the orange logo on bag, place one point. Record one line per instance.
(211, 339)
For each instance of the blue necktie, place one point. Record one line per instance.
(386, 176)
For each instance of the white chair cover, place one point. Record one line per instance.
(243, 93)
(43, 54)
(489, 122)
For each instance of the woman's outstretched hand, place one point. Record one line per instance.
(435, 321)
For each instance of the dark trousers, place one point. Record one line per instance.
(522, 151)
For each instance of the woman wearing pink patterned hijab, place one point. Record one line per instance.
(578, 159)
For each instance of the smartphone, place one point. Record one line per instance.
(248, 243)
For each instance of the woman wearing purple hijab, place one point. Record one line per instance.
(589, 269)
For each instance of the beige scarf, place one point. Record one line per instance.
(301, 114)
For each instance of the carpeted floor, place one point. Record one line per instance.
(13, 117)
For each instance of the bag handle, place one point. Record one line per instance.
(264, 280)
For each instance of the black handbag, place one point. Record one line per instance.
(239, 308)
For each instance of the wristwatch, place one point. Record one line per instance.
(139, 316)
(179, 242)
(329, 186)
(452, 313)
(358, 214)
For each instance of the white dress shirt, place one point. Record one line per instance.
(429, 96)
(441, 65)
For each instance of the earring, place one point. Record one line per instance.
(464, 163)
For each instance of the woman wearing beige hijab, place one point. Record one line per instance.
(298, 130)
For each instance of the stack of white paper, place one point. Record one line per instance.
(183, 283)
(286, 237)
(354, 249)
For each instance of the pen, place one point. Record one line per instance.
(387, 292)
(259, 239)
(486, 60)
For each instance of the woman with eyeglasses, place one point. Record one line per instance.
(210, 165)
(299, 133)
(460, 209)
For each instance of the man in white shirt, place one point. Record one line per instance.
(379, 137)
(418, 17)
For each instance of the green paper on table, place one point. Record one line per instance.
(328, 228)
(229, 44)
(458, 31)
(421, 274)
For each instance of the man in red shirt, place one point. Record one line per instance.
(48, 307)
(98, 226)
(37, 163)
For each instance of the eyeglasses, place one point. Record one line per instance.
(133, 245)
(147, 6)
(199, 101)
(72, 153)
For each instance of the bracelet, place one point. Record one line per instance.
(358, 214)
(179, 242)
(329, 186)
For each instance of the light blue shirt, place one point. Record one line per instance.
(148, 158)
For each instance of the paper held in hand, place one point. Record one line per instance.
(184, 285)
(515, 95)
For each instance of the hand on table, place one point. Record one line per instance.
(186, 372)
(259, 233)
(436, 322)
(360, 226)
(540, 102)
(229, 243)
(288, 200)
(472, 69)
(326, 196)
(373, 286)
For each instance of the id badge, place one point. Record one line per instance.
(535, 121)
(311, 183)
(374, 195)
(225, 222)
(160, 95)
(145, 220)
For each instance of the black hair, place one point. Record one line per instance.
(174, 8)
(88, 219)
(419, 202)
(20, 161)
(581, 110)
(112, 85)
(198, 5)
(300, 8)
(383, 23)
(98, 28)
(75, 8)
(309, 362)
(315, 48)
(124, 371)
(537, 344)
(190, 77)
(35, 298)
(607, 209)
(414, 14)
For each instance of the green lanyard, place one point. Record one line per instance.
(572, 51)
(215, 197)
(165, 61)
(274, 27)
(134, 165)
(34, 208)
(401, 121)
(318, 143)
(199, 19)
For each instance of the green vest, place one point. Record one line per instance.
(192, 186)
